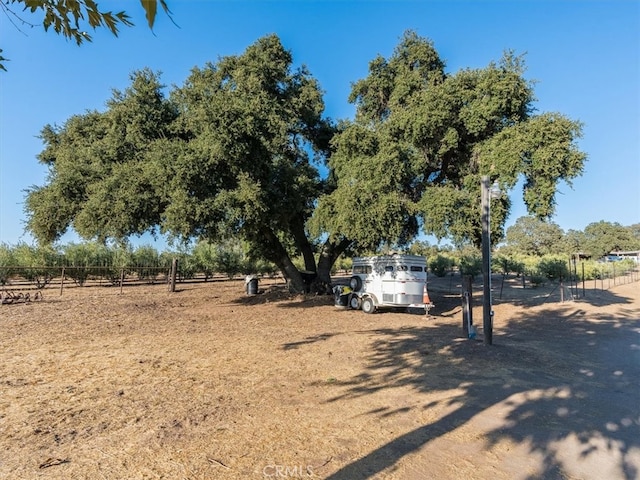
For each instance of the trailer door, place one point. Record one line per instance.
(389, 284)
(410, 284)
(402, 285)
(396, 285)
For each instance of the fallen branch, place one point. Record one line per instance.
(218, 462)
(52, 462)
(325, 463)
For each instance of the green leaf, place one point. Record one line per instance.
(150, 7)
(165, 7)
(2, 60)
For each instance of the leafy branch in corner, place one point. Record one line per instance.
(72, 18)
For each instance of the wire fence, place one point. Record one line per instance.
(39, 277)
(608, 280)
(23, 284)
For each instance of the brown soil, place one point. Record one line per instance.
(209, 383)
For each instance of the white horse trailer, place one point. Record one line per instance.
(389, 281)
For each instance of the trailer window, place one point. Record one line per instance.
(416, 269)
(402, 268)
(362, 269)
(388, 268)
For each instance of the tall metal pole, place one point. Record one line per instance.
(487, 318)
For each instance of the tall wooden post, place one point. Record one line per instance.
(62, 281)
(174, 274)
(467, 303)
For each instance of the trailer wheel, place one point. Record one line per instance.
(368, 306)
(355, 283)
(355, 302)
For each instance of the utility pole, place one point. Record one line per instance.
(487, 314)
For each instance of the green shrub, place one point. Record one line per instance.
(342, 264)
(86, 260)
(553, 268)
(537, 280)
(470, 265)
(204, 258)
(38, 264)
(507, 265)
(266, 268)
(440, 265)
(7, 263)
(229, 259)
(147, 264)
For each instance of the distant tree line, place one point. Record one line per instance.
(542, 251)
(531, 236)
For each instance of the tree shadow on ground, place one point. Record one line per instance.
(447, 290)
(281, 295)
(308, 340)
(563, 377)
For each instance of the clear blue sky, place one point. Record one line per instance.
(584, 56)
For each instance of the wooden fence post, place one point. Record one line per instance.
(174, 273)
(467, 302)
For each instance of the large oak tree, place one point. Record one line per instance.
(232, 152)
(422, 139)
(602, 238)
(532, 236)
(242, 149)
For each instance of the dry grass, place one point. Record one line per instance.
(210, 383)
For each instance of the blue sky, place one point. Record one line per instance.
(584, 56)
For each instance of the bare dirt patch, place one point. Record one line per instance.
(210, 383)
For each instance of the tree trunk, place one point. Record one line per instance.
(280, 257)
(316, 278)
(291, 274)
(467, 303)
(302, 242)
(328, 256)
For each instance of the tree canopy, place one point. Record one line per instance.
(243, 149)
(231, 153)
(72, 19)
(532, 236)
(602, 238)
(422, 139)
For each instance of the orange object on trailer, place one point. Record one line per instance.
(428, 304)
(425, 297)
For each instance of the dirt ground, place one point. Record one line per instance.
(210, 383)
